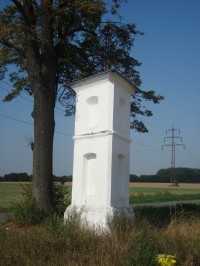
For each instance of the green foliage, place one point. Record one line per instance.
(143, 250)
(165, 196)
(162, 216)
(140, 246)
(182, 174)
(48, 43)
(15, 177)
(54, 225)
(9, 193)
(27, 212)
(74, 25)
(24, 177)
(62, 179)
(61, 199)
(133, 178)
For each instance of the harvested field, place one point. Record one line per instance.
(12, 192)
(165, 185)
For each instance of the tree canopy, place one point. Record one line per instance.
(51, 43)
(78, 39)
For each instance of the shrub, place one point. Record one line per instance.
(54, 225)
(61, 199)
(143, 250)
(27, 211)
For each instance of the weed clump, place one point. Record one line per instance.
(143, 250)
(27, 212)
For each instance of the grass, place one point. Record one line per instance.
(134, 243)
(9, 193)
(12, 192)
(171, 189)
(156, 194)
(163, 215)
(173, 230)
(160, 197)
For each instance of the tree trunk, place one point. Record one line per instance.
(44, 103)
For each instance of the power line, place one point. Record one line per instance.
(18, 95)
(147, 150)
(142, 144)
(152, 125)
(29, 95)
(18, 120)
(173, 146)
(24, 122)
(143, 141)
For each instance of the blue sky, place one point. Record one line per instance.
(169, 52)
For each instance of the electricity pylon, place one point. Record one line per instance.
(173, 145)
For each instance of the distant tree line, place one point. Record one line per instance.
(182, 175)
(24, 177)
(15, 177)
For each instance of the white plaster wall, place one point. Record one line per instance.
(110, 88)
(104, 91)
(101, 147)
(120, 172)
(110, 187)
(121, 114)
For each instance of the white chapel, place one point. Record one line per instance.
(101, 148)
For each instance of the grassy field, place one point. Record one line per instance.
(162, 192)
(136, 242)
(9, 194)
(171, 230)
(139, 193)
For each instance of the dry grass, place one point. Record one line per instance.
(183, 237)
(133, 243)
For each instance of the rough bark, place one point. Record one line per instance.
(44, 124)
(42, 66)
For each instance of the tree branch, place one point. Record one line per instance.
(11, 45)
(26, 11)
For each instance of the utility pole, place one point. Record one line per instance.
(173, 153)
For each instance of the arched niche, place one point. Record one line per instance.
(92, 111)
(89, 169)
(122, 113)
(120, 173)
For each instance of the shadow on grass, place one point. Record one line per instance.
(162, 216)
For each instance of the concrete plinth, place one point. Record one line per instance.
(96, 217)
